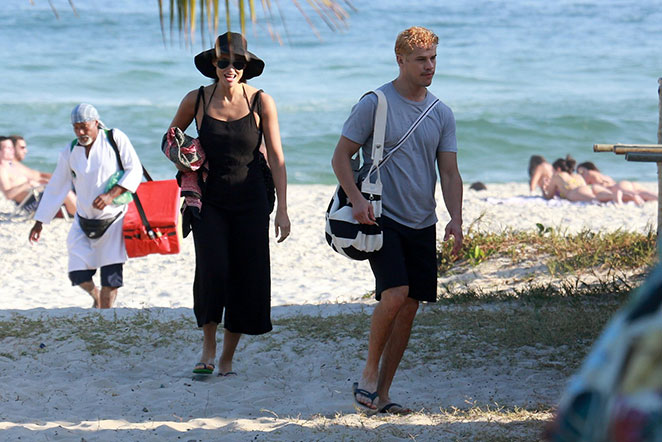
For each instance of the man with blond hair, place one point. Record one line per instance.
(405, 267)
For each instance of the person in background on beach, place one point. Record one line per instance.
(567, 184)
(95, 239)
(540, 172)
(19, 182)
(20, 151)
(14, 184)
(231, 235)
(405, 268)
(592, 175)
(20, 147)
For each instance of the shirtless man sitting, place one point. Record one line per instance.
(17, 180)
(20, 151)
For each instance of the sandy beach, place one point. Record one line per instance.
(72, 373)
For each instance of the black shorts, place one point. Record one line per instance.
(407, 258)
(111, 276)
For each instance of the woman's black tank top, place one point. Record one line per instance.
(235, 179)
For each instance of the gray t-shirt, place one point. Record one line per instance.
(409, 178)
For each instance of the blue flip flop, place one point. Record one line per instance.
(229, 373)
(393, 408)
(372, 396)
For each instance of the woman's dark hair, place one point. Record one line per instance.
(566, 164)
(588, 166)
(570, 161)
(535, 161)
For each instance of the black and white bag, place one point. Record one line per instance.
(345, 234)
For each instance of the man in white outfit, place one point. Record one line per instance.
(95, 240)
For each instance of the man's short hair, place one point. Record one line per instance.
(15, 138)
(3, 138)
(415, 37)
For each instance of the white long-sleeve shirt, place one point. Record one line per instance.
(89, 177)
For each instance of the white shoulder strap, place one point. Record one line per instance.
(411, 130)
(379, 130)
(378, 135)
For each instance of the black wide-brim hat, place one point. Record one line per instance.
(229, 43)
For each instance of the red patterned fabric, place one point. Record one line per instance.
(189, 158)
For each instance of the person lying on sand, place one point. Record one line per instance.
(592, 175)
(540, 172)
(567, 184)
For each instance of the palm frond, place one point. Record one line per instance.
(183, 12)
(331, 12)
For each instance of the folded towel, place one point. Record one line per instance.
(189, 158)
(184, 151)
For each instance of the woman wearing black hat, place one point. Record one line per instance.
(231, 236)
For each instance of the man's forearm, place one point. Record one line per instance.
(16, 191)
(342, 167)
(116, 191)
(451, 188)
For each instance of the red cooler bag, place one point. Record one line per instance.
(151, 223)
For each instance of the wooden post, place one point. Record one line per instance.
(620, 149)
(659, 172)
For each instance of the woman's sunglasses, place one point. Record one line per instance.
(238, 64)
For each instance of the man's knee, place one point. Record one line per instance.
(108, 289)
(410, 307)
(395, 297)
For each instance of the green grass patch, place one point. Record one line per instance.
(328, 329)
(100, 335)
(556, 332)
(614, 285)
(18, 326)
(555, 325)
(562, 252)
(137, 332)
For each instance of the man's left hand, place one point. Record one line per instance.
(103, 200)
(454, 228)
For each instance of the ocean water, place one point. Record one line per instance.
(522, 76)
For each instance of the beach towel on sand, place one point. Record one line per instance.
(536, 200)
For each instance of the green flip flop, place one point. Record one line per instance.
(202, 368)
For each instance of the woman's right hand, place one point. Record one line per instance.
(282, 225)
